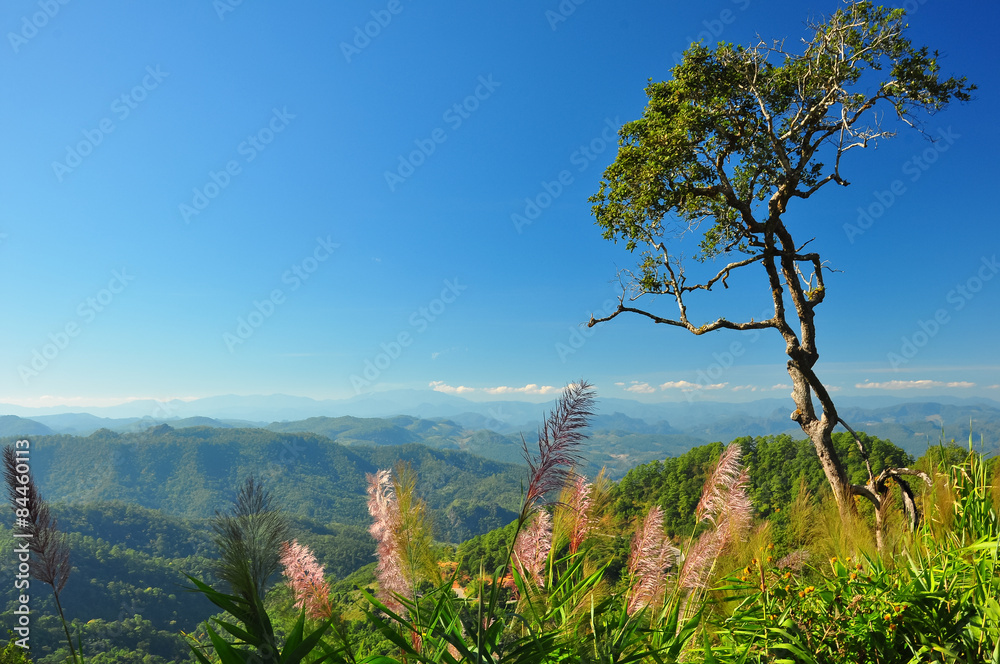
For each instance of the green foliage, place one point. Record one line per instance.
(487, 552)
(132, 639)
(256, 632)
(188, 472)
(938, 601)
(734, 125)
(131, 526)
(13, 653)
(674, 484)
(249, 540)
(777, 465)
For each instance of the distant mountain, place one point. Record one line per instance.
(914, 426)
(182, 423)
(84, 424)
(79, 424)
(445, 421)
(398, 430)
(191, 472)
(12, 425)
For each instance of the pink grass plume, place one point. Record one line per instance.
(386, 521)
(306, 579)
(531, 548)
(651, 555)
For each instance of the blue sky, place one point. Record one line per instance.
(205, 198)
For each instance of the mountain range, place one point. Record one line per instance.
(451, 422)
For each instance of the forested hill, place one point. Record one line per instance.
(776, 466)
(130, 560)
(193, 472)
(623, 434)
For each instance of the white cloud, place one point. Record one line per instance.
(759, 388)
(993, 387)
(678, 384)
(441, 386)
(641, 388)
(911, 385)
(688, 386)
(531, 388)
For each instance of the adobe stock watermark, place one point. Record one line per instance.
(579, 334)
(31, 24)
(293, 277)
(914, 168)
(550, 190)
(454, 116)
(86, 313)
(122, 107)
(959, 297)
(497, 417)
(223, 7)
(419, 321)
(101, 472)
(713, 28)
(708, 378)
(249, 149)
(291, 451)
(563, 11)
(363, 35)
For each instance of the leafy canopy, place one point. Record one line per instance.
(738, 131)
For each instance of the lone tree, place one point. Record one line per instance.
(726, 144)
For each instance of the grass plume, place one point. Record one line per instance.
(558, 443)
(725, 503)
(250, 538)
(402, 531)
(648, 561)
(306, 579)
(49, 553)
(532, 546)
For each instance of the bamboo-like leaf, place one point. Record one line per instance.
(227, 653)
(241, 634)
(225, 602)
(306, 645)
(294, 637)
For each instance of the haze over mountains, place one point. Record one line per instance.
(452, 422)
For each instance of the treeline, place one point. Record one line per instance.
(129, 560)
(127, 590)
(190, 472)
(779, 468)
(778, 465)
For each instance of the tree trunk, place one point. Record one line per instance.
(820, 432)
(835, 474)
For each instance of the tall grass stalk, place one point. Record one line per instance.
(49, 553)
(934, 601)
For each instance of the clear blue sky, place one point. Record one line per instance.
(171, 168)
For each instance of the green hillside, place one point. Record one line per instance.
(191, 472)
(12, 425)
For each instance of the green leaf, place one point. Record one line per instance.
(227, 653)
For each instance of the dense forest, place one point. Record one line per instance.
(128, 592)
(191, 472)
